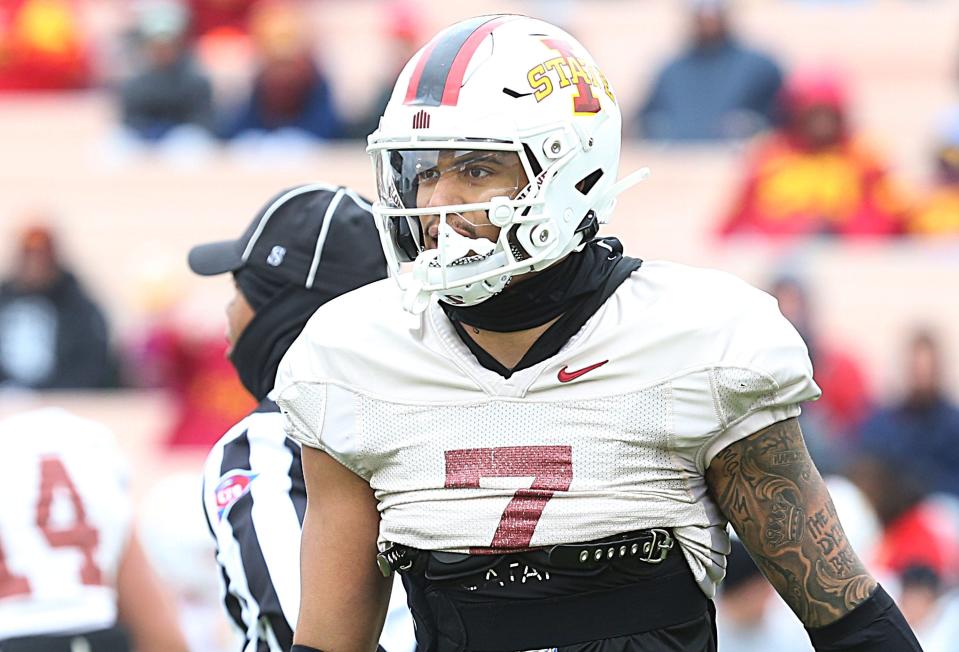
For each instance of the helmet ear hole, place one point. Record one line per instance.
(587, 183)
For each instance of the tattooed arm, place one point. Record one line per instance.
(769, 489)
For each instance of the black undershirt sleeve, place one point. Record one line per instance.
(876, 624)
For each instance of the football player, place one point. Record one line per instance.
(548, 443)
(73, 575)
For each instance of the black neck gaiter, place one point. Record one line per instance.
(278, 321)
(546, 295)
(258, 288)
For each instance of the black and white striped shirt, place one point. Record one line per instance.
(254, 499)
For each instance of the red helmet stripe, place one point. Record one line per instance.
(454, 82)
(439, 72)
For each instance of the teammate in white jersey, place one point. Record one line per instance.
(298, 252)
(73, 575)
(548, 442)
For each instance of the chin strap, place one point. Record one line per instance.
(624, 184)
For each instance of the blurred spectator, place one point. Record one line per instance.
(815, 176)
(194, 369)
(169, 91)
(909, 524)
(743, 603)
(746, 608)
(931, 610)
(919, 434)
(845, 395)
(908, 452)
(921, 588)
(52, 334)
(922, 535)
(403, 32)
(716, 89)
(43, 46)
(289, 91)
(172, 353)
(938, 213)
(211, 16)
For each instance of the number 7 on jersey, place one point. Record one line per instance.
(550, 466)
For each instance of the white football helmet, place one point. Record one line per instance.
(518, 110)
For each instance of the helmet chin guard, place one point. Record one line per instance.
(500, 142)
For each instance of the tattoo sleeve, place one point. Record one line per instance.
(769, 489)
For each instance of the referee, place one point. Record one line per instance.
(306, 246)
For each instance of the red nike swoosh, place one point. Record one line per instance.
(566, 376)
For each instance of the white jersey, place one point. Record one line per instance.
(612, 434)
(65, 518)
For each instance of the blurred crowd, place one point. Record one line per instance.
(808, 169)
(55, 336)
(807, 172)
(163, 86)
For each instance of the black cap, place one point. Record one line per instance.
(317, 236)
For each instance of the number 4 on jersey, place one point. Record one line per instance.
(552, 471)
(80, 535)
